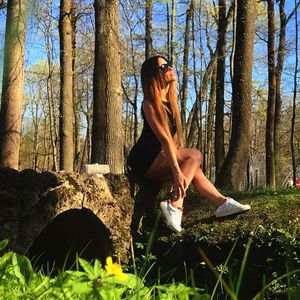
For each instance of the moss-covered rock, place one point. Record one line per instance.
(273, 225)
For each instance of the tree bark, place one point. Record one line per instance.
(207, 166)
(235, 164)
(270, 160)
(219, 122)
(12, 84)
(278, 101)
(66, 87)
(107, 135)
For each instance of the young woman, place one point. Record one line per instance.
(158, 154)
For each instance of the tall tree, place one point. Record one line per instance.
(223, 23)
(278, 101)
(279, 68)
(292, 141)
(270, 148)
(219, 122)
(45, 18)
(184, 86)
(107, 135)
(235, 164)
(172, 42)
(148, 30)
(66, 87)
(12, 84)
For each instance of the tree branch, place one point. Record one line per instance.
(293, 12)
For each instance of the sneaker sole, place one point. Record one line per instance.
(166, 215)
(239, 212)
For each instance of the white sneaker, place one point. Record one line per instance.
(231, 207)
(173, 215)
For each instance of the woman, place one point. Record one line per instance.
(158, 154)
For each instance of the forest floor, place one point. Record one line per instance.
(263, 243)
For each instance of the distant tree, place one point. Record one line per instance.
(185, 73)
(47, 26)
(66, 87)
(12, 84)
(172, 33)
(284, 20)
(107, 134)
(235, 164)
(148, 30)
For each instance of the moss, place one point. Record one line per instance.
(273, 225)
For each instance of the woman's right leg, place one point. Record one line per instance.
(190, 165)
(160, 169)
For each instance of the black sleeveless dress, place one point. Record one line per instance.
(144, 152)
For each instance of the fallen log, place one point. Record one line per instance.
(30, 201)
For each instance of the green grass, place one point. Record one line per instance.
(90, 281)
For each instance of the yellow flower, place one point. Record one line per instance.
(114, 269)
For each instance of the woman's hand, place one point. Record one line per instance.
(180, 186)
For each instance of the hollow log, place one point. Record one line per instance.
(33, 206)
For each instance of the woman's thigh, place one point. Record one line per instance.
(160, 169)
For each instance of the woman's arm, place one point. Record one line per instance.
(169, 147)
(175, 139)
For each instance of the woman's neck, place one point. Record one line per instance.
(164, 93)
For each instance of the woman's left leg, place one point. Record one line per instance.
(206, 189)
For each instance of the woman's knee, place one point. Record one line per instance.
(192, 154)
(197, 156)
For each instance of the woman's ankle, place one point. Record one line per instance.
(177, 203)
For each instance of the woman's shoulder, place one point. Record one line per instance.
(147, 105)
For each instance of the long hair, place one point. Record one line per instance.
(152, 84)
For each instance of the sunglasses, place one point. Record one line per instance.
(165, 67)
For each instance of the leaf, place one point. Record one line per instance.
(134, 282)
(7, 256)
(87, 267)
(82, 287)
(3, 244)
(22, 268)
(97, 269)
(16, 269)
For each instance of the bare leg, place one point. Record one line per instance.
(189, 161)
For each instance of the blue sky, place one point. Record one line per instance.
(35, 49)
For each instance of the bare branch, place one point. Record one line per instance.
(293, 12)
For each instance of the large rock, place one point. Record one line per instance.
(29, 201)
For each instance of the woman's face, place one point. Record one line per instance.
(166, 71)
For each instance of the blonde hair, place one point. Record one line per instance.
(152, 84)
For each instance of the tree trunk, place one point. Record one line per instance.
(173, 16)
(66, 87)
(192, 120)
(107, 136)
(293, 154)
(210, 121)
(12, 84)
(148, 30)
(184, 87)
(233, 38)
(235, 164)
(270, 160)
(76, 102)
(278, 101)
(219, 122)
